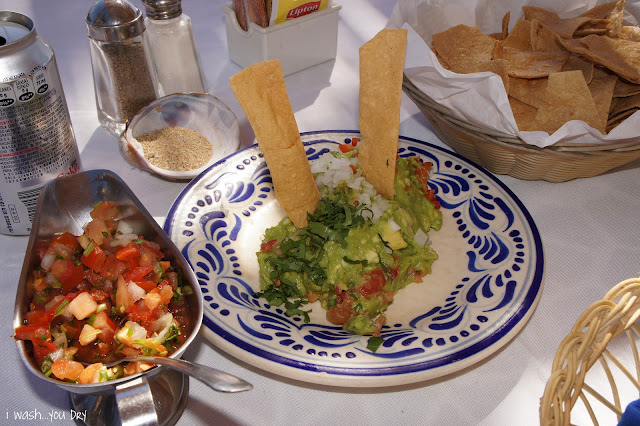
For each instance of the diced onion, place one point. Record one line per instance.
(161, 326)
(124, 228)
(47, 260)
(136, 291)
(124, 239)
(421, 238)
(393, 225)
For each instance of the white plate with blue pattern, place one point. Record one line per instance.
(483, 289)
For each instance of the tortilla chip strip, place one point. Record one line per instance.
(381, 72)
(262, 94)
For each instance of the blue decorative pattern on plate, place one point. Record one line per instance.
(483, 288)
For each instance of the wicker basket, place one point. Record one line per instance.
(509, 155)
(589, 344)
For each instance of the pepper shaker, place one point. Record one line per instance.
(174, 60)
(121, 76)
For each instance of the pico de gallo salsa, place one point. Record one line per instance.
(101, 296)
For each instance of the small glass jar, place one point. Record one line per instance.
(171, 48)
(121, 76)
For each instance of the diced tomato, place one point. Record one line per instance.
(35, 317)
(42, 348)
(374, 282)
(104, 211)
(40, 336)
(422, 172)
(68, 239)
(32, 331)
(354, 141)
(94, 278)
(66, 369)
(95, 259)
(138, 273)
(146, 285)
(341, 313)
(74, 279)
(268, 246)
(97, 231)
(353, 168)
(112, 267)
(62, 269)
(69, 274)
(128, 252)
(149, 254)
(139, 313)
(393, 273)
(166, 293)
(346, 148)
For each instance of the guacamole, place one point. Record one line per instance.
(358, 249)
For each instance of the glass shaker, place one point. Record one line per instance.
(171, 48)
(121, 76)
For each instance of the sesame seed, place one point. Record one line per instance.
(176, 148)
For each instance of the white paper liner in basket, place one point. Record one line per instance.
(480, 98)
(589, 342)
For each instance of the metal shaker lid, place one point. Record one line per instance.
(163, 9)
(114, 20)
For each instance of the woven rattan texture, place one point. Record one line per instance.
(607, 319)
(509, 155)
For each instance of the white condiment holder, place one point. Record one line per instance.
(299, 43)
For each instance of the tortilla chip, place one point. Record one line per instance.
(505, 24)
(565, 28)
(624, 89)
(566, 97)
(497, 66)
(623, 105)
(612, 124)
(525, 64)
(464, 47)
(613, 12)
(444, 63)
(620, 56)
(520, 36)
(543, 39)
(381, 72)
(527, 90)
(524, 114)
(262, 94)
(583, 32)
(577, 62)
(601, 88)
(630, 33)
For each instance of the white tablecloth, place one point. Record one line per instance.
(590, 230)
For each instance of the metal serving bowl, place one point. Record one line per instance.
(65, 205)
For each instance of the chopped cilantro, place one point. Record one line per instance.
(374, 343)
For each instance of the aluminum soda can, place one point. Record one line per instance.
(37, 142)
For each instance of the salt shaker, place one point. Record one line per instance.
(121, 75)
(174, 60)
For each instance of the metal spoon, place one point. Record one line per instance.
(215, 379)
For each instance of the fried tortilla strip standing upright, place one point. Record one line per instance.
(381, 70)
(262, 94)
